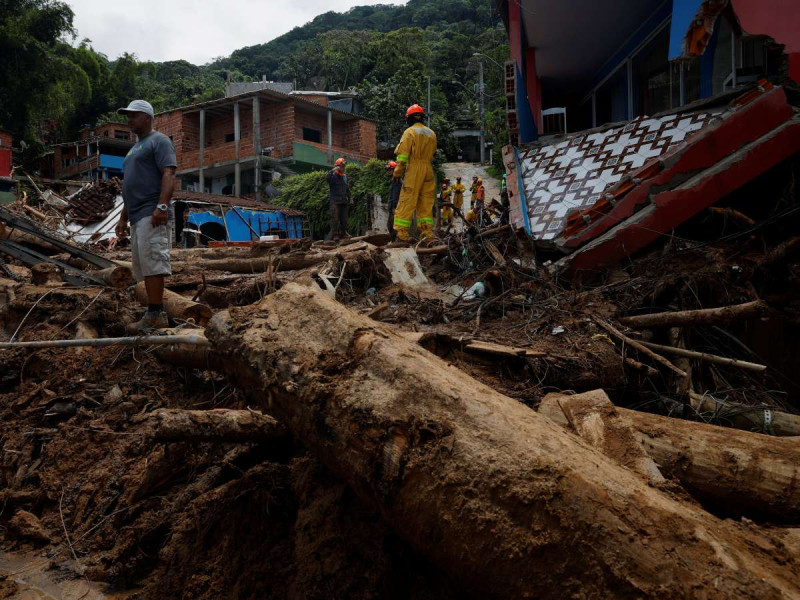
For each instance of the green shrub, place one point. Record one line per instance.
(309, 193)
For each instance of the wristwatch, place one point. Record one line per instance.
(162, 207)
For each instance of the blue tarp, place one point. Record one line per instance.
(107, 161)
(683, 11)
(239, 222)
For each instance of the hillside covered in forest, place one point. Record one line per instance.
(58, 82)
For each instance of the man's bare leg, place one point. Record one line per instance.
(154, 284)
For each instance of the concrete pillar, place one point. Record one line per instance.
(257, 145)
(237, 134)
(330, 137)
(202, 148)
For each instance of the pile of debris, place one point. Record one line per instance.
(470, 417)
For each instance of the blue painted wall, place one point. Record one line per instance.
(683, 11)
(262, 222)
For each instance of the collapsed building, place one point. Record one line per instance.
(598, 398)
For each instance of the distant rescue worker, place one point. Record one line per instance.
(473, 188)
(394, 196)
(458, 192)
(414, 155)
(149, 180)
(339, 198)
(446, 192)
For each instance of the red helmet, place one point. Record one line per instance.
(391, 164)
(415, 109)
(447, 180)
(340, 161)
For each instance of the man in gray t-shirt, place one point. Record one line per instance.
(149, 180)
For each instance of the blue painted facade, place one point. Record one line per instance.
(111, 163)
(239, 221)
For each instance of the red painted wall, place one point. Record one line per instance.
(533, 87)
(779, 19)
(5, 162)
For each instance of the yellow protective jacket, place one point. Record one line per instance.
(414, 155)
(458, 194)
(445, 194)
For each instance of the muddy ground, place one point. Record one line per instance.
(94, 498)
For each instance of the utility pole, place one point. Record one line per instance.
(428, 109)
(483, 124)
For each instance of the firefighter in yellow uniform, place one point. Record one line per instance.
(458, 192)
(444, 199)
(414, 155)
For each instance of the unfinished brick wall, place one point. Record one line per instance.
(281, 124)
(360, 136)
(320, 123)
(106, 130)
(321, 99)
(278, 129)
(5, 139)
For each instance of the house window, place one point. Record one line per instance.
(312, 135)
(121, 135)
(105, 133)
(230, 137)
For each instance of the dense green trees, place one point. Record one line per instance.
(386, 52)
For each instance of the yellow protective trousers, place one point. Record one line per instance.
(458, 195)
(416, 148)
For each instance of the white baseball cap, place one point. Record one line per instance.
(138, 106)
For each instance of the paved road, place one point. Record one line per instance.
(467, 171)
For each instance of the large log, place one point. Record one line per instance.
(218, 426)
(739, 472)
(704, 316)
(118, 277)
(177, 306)
(749, 418)
(502, 498)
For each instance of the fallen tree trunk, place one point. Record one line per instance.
(501, 498)
(749, 418)
(117, 277)
(740, 473)
(218, 426)
(705, 316)
(177, 306)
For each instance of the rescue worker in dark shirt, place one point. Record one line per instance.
(339, 199)
(394, 196)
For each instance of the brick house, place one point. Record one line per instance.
(98, 154)
(235, 145)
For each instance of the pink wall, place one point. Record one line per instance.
(779, 19)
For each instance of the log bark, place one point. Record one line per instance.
(705, 316)
(740, 473)
(218, 426)
(748, 418)
(177, 306)
(705, 357)
(500, 497)
(596, 419)
(117, 277)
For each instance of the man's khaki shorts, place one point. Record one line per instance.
(150, 248)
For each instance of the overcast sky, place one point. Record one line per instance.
(194, 30)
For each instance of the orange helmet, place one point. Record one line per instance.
(447, 180)
(340, 161)
(415, 109)
(391, 164)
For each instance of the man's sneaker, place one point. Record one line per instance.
(150, 320)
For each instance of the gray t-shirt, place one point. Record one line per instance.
(142, 168)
